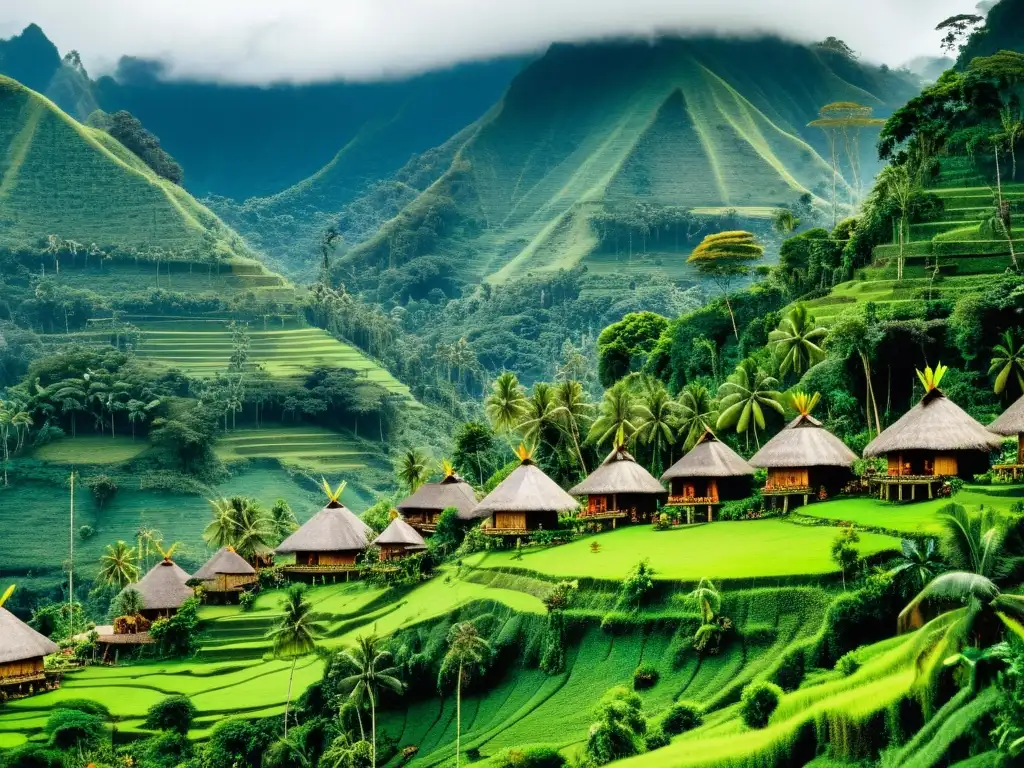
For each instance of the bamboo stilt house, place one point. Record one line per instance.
(804, 458)
(423, 508)
(619, 489)
(399, 540)
(1011, 424)
(708, 475)
(163, 589)
(933, 441)
(524, 502)
(329, 542)
(226, 573)
(22, 651)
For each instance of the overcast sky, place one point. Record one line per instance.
(259, 41)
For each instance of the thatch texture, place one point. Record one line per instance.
(1011, 422)
(803, 443)
(618, 473)
(333, 529)
(400, 534)
(163, 588)
(709, 458)
(451, 492)
(226, 561)
(527, 489)
(19, 642)
(934, 424)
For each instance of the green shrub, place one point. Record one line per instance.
(175, 713)
(758, 702)
(847, 664)
(656, 739)
(246, 601)
(637, 585)
(72, 729)
(682, 717)
(645, 676)
(32, 756)
(791, 669)
(618, 729)
(529, 757)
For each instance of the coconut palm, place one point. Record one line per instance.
(5, 435)
(918, 563)
(413, 468)
(571, 413)
(372, 670)
(1007, 361)
(657, 419)
(295, 635)
(118, 565)
(539, 420)
(796, 342)
(707, 599)
(284, 522)
(467, 651)
(698, 412)
(138, 410)
(619, 413)
(744, 398)
(243, 524)
(506, 405)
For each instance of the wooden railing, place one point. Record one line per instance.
(340, 568)
(783, 490)
(691, 501)
(505, 531)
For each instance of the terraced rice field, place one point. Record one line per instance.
(756, 548)
(307, 448)
(91, 450)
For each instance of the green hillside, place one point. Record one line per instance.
(687, 127)
(59, 177)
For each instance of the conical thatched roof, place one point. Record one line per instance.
(225, 561)
(934, 424)
(163, 588)
(400, 533)
(453, 491)
(19, 642)
(1011, 422)
(619, 473)
(527, 489)
(333, 529)
(709, 458)
(803, 443)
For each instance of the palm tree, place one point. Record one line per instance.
(744, 397)
(284, 522)
(413, 468)
(977, 611)
(571, 410)
(139, 411)
(1007, 360)
(539, 419)
(466, 652)
(796, 342)
(698, 412)
(506, 405)
(707, 599)
(918, 562)
(295, 635)
(129, 603)
(657, 419)
(372, 667)
(619, 412)
(5, 433)
(118, 566)
(243, 524)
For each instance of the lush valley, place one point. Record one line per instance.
(640, 253)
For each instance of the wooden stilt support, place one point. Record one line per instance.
(929, 490)
(901, 491)
(785, 504)
(913, 493)
(709, 513)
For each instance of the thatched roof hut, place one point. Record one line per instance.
(163, 589)
(399, 539)
(937, 425)
(423, 507)
(335, 528)
(804, 442)
(710, 457)
(19, 642)
(1011, 422)
(524, 501)
(226, 571)
(618, 473)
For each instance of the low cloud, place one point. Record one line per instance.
(263, 41)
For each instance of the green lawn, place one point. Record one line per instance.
(920, 517)
(91, 449)
(725, 550)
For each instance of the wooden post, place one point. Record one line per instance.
(785, 504)
(709, 513)
(913, 492)
(929, 490)
(901, 491)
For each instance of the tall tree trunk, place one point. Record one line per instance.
(288, 700)
(373, 728)
(458, 717)
(732, 317)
